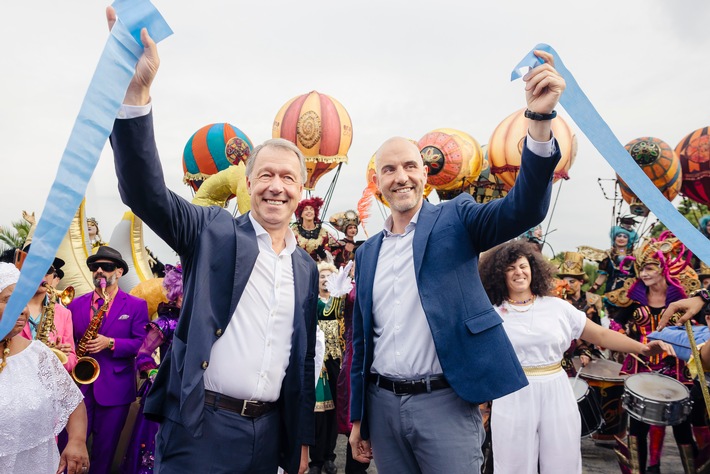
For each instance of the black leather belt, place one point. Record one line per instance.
(409, 387)
(248, 408)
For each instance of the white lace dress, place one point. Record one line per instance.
(37, 395)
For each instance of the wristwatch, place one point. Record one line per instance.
(111, 343)
(703, 293)
(538, 116)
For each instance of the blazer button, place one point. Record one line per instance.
(205, 364)
(218, 332)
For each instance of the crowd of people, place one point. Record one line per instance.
(416, 331)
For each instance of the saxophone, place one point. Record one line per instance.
(46, 325)
(87, 368)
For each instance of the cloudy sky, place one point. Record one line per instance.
(398, 67)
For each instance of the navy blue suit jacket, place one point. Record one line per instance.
(218, 254)
(477, 358)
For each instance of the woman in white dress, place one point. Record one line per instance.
(540, 423)
(37, 399)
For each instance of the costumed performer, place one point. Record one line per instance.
(542, 418)
(140, 455)
(344, 250)
(612, 273)
(92, 226)
(661, 266)
(310, 234)
(38, 400)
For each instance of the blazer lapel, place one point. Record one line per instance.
(425, 223)
(247, 251)
(115, 312)
(366, 280)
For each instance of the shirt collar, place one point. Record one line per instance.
(263, 236)
(387, 230)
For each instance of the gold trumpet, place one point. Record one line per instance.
(46, 325)
(87, 369)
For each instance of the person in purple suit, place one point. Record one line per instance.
(119, 337)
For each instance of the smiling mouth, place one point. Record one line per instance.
(274, 203)
(403, 190)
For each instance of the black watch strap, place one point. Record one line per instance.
(538, 116)
(703, 293)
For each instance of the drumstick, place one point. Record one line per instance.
(698, 365)
(574, 384)
(645, 364)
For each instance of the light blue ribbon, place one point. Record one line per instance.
(598, 132)
(91, 130)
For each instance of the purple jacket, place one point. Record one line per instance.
(125, 322)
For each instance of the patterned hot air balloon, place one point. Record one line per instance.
(211, 149)
(452, 157)
(693, 151)
(660, 163)
(321, 128)
(505, 147)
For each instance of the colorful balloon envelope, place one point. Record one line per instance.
(693, 151)
(211, 149)
(487, 186)
(452, 157)
(505, 147)
(660, 163)
(321, 128)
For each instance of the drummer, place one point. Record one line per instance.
(655, 262)
(542, 417)
(572, 272)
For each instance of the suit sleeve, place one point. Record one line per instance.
(358, 362)
(128, 346)
(141, 185)
(524, 207)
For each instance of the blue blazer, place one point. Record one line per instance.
(477, 358)
(218, 253)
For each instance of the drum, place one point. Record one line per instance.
(588, 406)
(656, 399)
(604, 379)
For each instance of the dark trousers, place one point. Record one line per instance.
(230, 443)
(327, 421)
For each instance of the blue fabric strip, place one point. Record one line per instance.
(598, 132)
(91, 129)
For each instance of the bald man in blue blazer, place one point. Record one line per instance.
(428, 347)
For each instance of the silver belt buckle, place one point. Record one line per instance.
(244, 408)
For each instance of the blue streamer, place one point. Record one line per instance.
(598, 132)
(91, 129)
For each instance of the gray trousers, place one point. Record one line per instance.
(428, 433)
(230, 443)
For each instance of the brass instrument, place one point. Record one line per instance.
(87, 369)
(46, 324)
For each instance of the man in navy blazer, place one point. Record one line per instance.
(235, 394)
(427, 345)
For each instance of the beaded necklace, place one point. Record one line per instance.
(5, 353)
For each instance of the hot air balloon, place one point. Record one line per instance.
(452, 157)
(693, 151)
(487, 186)
(211, 149)
(321, 128)
(505, 147)
(660, 163)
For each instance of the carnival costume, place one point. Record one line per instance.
(638, 319)
(317, 242)
(344, 250)
(614, 264)
(588, 303)
(38, 396)
(539, 421)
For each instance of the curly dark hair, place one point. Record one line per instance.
(494, 262)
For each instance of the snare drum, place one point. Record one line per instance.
(588, 406)
(656, 399)
(604, 379)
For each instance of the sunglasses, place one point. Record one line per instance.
(105, 266)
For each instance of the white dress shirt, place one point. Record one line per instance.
(249, 360)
